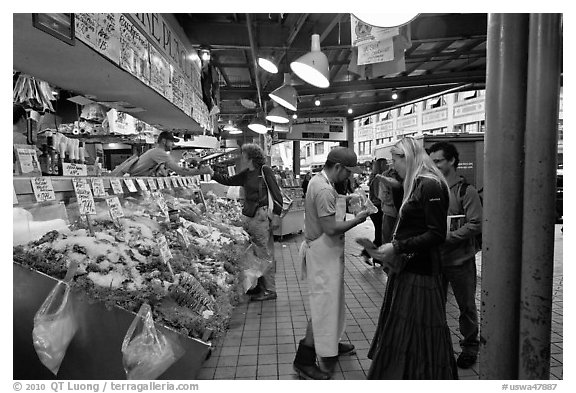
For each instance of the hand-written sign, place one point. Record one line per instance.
(152, 184)
(116, 186)
(142, 184)
(181, 182)
(175, 182)
(116, 210)
(28, 161)
(130, 184)
(164, 249)
(160, 181)
(43, 189)
(70, 169)
(84, 195)
(98, 187)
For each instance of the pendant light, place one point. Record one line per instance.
(386, 20)
(286, 95)
(258, 125)
(268, 64)
(313, 66)
(278, 115)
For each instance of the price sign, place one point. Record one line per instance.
(69, 169)
(28, 161)
(181, 182)
(168, 182)
(84, 195)
(197, 180)
(159, 198)
(14, 197)
(98, 187)
(164, 249)
(142, 184)
(152, 184)
(116, 185)
(43, 189)
(175, 182)
(130, 184)
(160, 181)
(206, 177)
(115, 207)
(231, 170)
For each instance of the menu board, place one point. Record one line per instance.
(159, 71)
(101, 32)
(84, 195)
(134, 50)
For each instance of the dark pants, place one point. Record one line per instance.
(377, 221)
(463, 279)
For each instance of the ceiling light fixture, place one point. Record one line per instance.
(386, 20)
(313, 67)
(204, 53)
(350, 111)
(294, 116)
(234, 131)
(317, 101)
(258, 125)
(278, 115)
(286, 95)
(268, 64)
(394, 95)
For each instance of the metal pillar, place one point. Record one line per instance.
(349, 129)
(296, 157)
(507, 47)
(539, 195)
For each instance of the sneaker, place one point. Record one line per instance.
(346, 349)
(264, 295)
(466, 359)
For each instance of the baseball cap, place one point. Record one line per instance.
(346, 157)
(168, 136)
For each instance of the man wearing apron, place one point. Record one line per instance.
(322, 256)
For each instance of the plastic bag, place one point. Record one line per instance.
(146, 352)
(55, 324)
(360, 202)
(255, 266)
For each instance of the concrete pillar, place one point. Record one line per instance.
(507, 47)
(541, 140)
(296, 157)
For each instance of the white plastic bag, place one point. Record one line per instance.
(359, 201)
(255, 266)
(146, 352)
(55, 325)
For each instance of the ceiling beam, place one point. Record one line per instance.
(462, 51)
(428, 57)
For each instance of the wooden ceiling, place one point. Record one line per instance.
(447, 51)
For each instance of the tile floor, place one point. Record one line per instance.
(262, 339)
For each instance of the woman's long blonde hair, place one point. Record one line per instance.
(418, 164)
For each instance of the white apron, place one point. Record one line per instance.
(323, 264)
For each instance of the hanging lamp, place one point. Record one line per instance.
(258, 125)
(313, 67)
(278, 115)
(286, 94)
(268, 64)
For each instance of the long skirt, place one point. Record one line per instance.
(412, 340)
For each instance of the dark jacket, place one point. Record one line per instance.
(460, 246)
(422, 226)
(255, 192)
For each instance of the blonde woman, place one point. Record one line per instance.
(412, 340)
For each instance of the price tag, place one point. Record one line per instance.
(164, 249)
(159, 198)
(84, 195)
(116, 185)
(115, 207)
(130, 184)
(181, 182)
(69, 169)
(43, 189)
(152, 184)
(197, 180)
(175, 182)
(168, 182)
(160, 181)
(14, 197)
(142, 184)
(98, 187)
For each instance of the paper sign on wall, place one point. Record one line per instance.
(84, 195)
(376, 52)
(116, 186)
(98, 187)
(130, 184)
(116, 210)
(164, 249)
(43, 189)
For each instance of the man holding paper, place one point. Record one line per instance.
(458, 252)
(322, 256)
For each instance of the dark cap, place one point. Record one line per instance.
(168, 136)
(346, 157)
